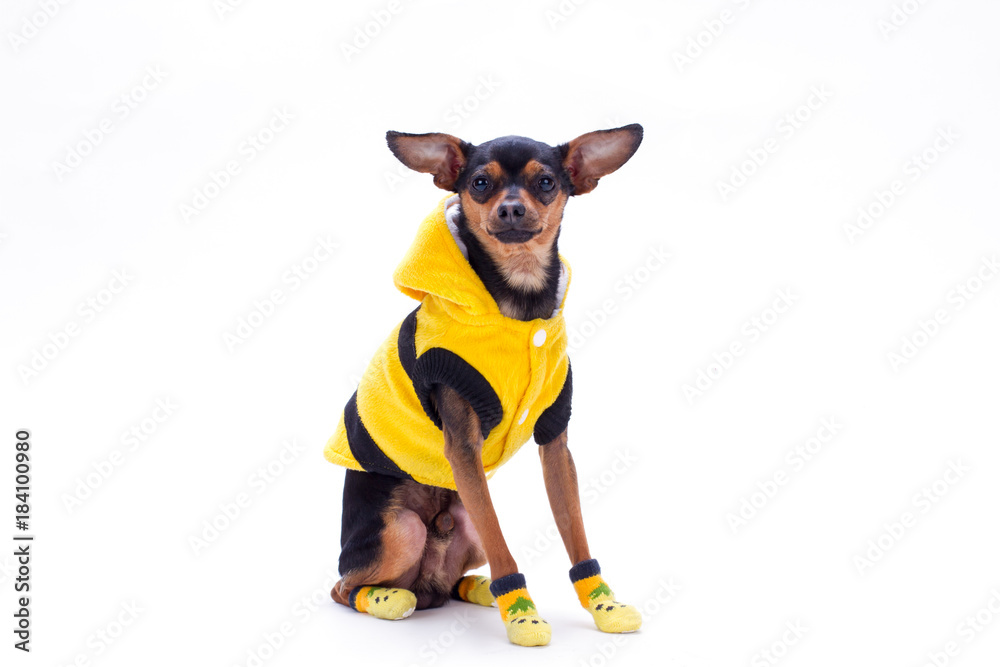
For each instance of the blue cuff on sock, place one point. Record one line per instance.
(584, 569)
(505, 585)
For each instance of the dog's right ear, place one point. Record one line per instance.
(436, 153)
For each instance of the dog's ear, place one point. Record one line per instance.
(595, 154)
(436, 153)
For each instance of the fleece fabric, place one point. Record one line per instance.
(515, 374)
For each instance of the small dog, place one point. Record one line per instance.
(467, 378)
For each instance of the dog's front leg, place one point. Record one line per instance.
(463, 447)
(594, 593)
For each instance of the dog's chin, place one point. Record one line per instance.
(512, 236)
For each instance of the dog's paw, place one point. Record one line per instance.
(391, 604)
(475, 589)
(528, 630)
(520, 616)
(613, 616)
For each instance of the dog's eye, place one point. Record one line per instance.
(480, 184)
(546, 183)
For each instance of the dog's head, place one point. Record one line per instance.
(513, 189)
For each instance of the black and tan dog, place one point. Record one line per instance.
(475, 371)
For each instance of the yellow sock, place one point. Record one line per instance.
(391, 604)
(524, 626)
(474, 589)
(598, 598)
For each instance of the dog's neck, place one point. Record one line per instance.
(516, 302)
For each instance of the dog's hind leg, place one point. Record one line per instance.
(382, 588)
(382, 545)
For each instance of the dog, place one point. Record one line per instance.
(479, 368)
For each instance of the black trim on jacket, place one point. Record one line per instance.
(440, 366)
(407, 343)
(363, 447)
(555, 418)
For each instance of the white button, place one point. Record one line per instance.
(524, 415)
(539, 337)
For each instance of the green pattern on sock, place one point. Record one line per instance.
(602, 589)
(521, 604)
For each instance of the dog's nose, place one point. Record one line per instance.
(511, 211)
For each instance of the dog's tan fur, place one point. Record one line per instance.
(523, 265)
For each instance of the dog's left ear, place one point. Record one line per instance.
(436, 153)
(595, 154)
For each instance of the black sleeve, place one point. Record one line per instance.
(440, 366)
(554, 420)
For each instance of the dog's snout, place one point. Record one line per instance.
(511, 211)
(513, 222)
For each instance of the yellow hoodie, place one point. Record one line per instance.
(515, 374)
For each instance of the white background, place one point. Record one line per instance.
(661, 473)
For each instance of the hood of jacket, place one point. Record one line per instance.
(437, 264)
